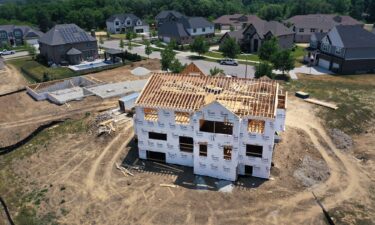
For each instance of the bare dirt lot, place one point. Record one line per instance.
(20, 114)
(66, 175)
(10, 80)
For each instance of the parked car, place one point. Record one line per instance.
(230, 62)
(7, 52)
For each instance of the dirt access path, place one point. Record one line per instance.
(11, 79)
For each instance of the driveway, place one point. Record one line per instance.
(314, 70)
(204, 65)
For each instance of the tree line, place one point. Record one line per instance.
(91, 14)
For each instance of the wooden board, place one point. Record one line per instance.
(318, 102)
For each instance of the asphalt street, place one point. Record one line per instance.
(204, 65)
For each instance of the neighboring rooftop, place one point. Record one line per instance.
(235, 19)
(165, 13)
(324, 21)
(189, 93)
(28, 32)
(320, 36)
(65, 34)
(277, 29)
(173, 29)
(123, 17)
(361, 39)
(195, 22)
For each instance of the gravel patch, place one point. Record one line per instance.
(341, 139)
(312, 171)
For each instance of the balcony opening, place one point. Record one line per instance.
(227, 152)
(157, 136)
(203, 149)
(182, 118)
(216, 127)
(256, 126)
(254, 151)
(150, 114)
(186, 144)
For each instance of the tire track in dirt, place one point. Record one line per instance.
(343, 183)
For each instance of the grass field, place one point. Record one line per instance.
(354, 95)
(34, 71)
(28, 200)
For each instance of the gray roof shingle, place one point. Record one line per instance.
(28, 32)
(65, 34)
(277, 29)
(321, 21)
(73, 51)
(172, 29)
(165, 13)
(354, 36)
(195, 22)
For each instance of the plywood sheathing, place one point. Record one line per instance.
(189, 93)
(192, 69)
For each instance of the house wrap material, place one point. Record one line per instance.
(222, 127)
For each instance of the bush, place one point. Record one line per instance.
(41, 59)
(132, 57)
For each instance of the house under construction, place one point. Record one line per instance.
(222, 127)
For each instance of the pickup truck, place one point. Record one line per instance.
(7, 52)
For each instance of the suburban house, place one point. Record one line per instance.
(122, 23)
(14, 35)
(305, 25)
(235, 21)
(342, 52)
(252, 37)
(68, 44)
(222, 127)
(182, 29)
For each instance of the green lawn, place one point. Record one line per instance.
(34, 71)
(354, 95)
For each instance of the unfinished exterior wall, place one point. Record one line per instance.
(214, 164)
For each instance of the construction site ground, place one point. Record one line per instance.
(68, 175)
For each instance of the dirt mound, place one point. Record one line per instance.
(341, 139)
(312, 171)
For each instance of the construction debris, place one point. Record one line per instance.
(108, 121)
(124, 170)
(168, 185)
(303, 95)
(169, 167)
(318, 102)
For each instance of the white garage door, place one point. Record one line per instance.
(324, 64)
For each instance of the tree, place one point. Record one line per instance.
(176, 66)
(230, 48)
(214, 71)
(264, 69)
(199, 46)
(283, 60)
(129, 36)
(148, 49)
(31, 50)
(122, 44)
(268, 49)
(167, 57)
